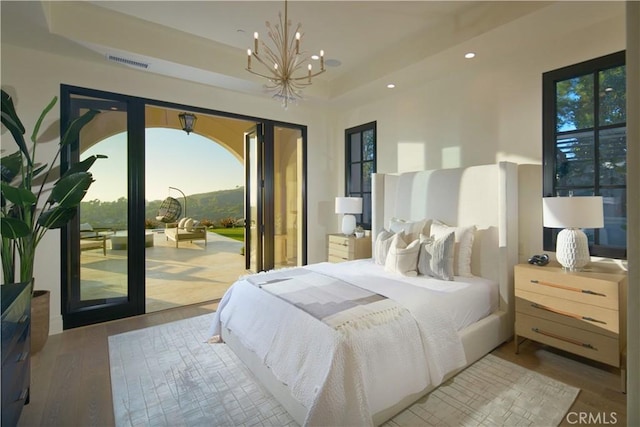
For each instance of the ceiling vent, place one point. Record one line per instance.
(127, 61)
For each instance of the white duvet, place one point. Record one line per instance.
(343, 378)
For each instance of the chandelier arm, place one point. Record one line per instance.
(259, 74)
(307, 77)
(268, 67)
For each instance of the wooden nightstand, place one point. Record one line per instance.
(342, 248)
(580, 312)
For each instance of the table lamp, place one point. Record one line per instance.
(348, 206)
(571, 214)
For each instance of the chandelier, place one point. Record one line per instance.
(283, 63)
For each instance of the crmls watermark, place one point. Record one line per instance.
(601, 418)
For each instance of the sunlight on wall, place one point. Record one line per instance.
(411, 156)
(451, 157)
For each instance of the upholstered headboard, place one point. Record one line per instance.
(485, 196)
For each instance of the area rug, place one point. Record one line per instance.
(168, 375)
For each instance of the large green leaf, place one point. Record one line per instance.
(12, 122)
(71, 189)
(56, 217)
(14, 228)
(44, 113)
(76, 126)
(18, 195)
(11, 166)
(84, 165)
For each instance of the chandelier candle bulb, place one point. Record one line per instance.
(297, 43)
(322, 60)
(248, 59)
(309, 73)
(255, 42)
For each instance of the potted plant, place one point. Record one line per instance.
(359, 231)
(25, 213)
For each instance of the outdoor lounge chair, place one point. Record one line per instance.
(186, 230)
(93, 238)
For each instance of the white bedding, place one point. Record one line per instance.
(345, 378)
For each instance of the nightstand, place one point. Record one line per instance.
(342, 248)
(580, 312)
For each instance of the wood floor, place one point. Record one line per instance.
(70, 383)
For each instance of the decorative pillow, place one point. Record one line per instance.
(412, 229)
(381, 248)
(402, 257)
(182, 221)
(436, 256)
(188, 224)
(463, 246)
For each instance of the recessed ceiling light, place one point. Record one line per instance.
(391, 86)
(469, 55)
(315, 57)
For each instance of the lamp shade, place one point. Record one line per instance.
(573, 212)
(348, 205)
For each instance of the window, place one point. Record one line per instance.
(360, 163)
(585, 144)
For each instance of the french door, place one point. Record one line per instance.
(275, 208)
(103, 248)
(103, 273)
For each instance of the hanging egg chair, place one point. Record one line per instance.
(169, 211)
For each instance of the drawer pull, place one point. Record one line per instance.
(24, 318)
(22, 356)
(567, 288)
(569, 340)
(566, 313)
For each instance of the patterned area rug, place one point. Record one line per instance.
(168, 375)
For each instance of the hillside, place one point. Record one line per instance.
(213, 206)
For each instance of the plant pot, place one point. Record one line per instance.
(39, 320)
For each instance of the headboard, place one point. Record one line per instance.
(485, 196)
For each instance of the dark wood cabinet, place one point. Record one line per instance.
(16, 358)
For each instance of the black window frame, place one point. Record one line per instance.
(363, 219)
(551, 134)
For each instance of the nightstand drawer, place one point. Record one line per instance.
(574, 340)
(569, 286)
(338, 240)
(342, 248)
(571, 313)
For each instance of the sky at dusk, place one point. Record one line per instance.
(192, 163)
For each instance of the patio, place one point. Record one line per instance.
(175, 277)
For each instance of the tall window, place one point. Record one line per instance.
(584, 148)
(360, 163)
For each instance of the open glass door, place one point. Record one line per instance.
(275, 208)
(99, 286)
(254, 220)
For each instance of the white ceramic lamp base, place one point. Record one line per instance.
(348, 224)
(572, 249)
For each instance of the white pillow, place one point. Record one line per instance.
(85, 226)
(463, 246)
(403, 258)
(436, 256)
(381, 248)
(181, 222)
(188, 224)
(412, 229)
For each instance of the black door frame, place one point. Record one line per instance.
(76, 315)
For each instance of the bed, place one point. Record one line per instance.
(410, 334)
